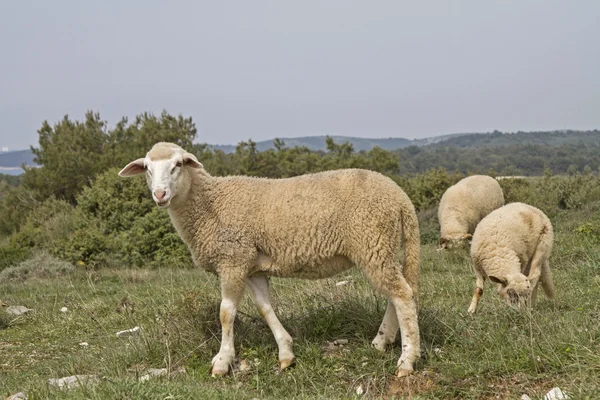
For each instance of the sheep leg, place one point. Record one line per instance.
(232, 291)
(390, 282)
(406, 312)
(479, 281)
(533, 298)
(388, 328)
(258, 287)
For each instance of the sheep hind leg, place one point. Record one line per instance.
(390, 282)
(232, 291)
(388, 329)
(258, 287)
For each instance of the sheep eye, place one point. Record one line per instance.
(178, 164)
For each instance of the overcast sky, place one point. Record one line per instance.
(259, 69)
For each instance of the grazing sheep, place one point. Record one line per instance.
(511, 246)
(313, 226)
(463, 205)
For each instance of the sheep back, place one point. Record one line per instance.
(464, 204)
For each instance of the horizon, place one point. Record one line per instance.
(2, 148)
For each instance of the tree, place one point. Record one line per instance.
(70, 154)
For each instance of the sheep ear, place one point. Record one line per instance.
(497, 280)
(133, 168)
(191, 160)
(467, 236)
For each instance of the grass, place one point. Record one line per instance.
(498, 353)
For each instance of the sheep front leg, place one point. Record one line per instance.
(232, 291)
(259, 290)
(476, 294)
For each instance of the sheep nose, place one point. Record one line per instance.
(159, 194)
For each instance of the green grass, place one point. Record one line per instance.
(498, 353)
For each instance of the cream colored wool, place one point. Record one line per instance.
(463, 205)
(311, 226)
(511, 246)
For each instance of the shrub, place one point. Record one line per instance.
(41, 265)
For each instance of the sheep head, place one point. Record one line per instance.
(461, 241)
(166, 168)
(515, 289)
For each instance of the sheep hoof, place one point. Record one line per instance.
(402, 372)
(472, 310)
(283, 364)
(379, 345)
(218, 370)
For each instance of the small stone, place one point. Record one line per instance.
(340, 342)
(17, 310)
(129, 332)
(84, 344)
(556, 394)
(17, 396)
(72, 382)
(359, 390)
(342, 283)
(64, 309)
(153, 373)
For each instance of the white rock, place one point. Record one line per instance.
(64, 309)
(72, 382)
(556, 394)
(18, 310)
(525, 397)
(84, 344)
(342, 283)
(359, 390)
(18, 396)
(153, 373)
(129, 332)
(340, 342)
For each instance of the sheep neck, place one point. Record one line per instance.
(193, 209)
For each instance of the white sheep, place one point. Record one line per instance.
(463, 205)
(312, 226)
(511, 246)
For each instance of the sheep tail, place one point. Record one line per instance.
(410, 233)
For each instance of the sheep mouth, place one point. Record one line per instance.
(163, 204)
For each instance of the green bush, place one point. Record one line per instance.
(122, 221)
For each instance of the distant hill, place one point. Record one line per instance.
(317, 143)
(495, 139)
(10, 162)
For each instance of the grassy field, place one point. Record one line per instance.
(498, 353)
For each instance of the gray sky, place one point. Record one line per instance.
(259, 69)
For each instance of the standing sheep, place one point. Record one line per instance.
(463, 205)
(511, 246)
(313, 226)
